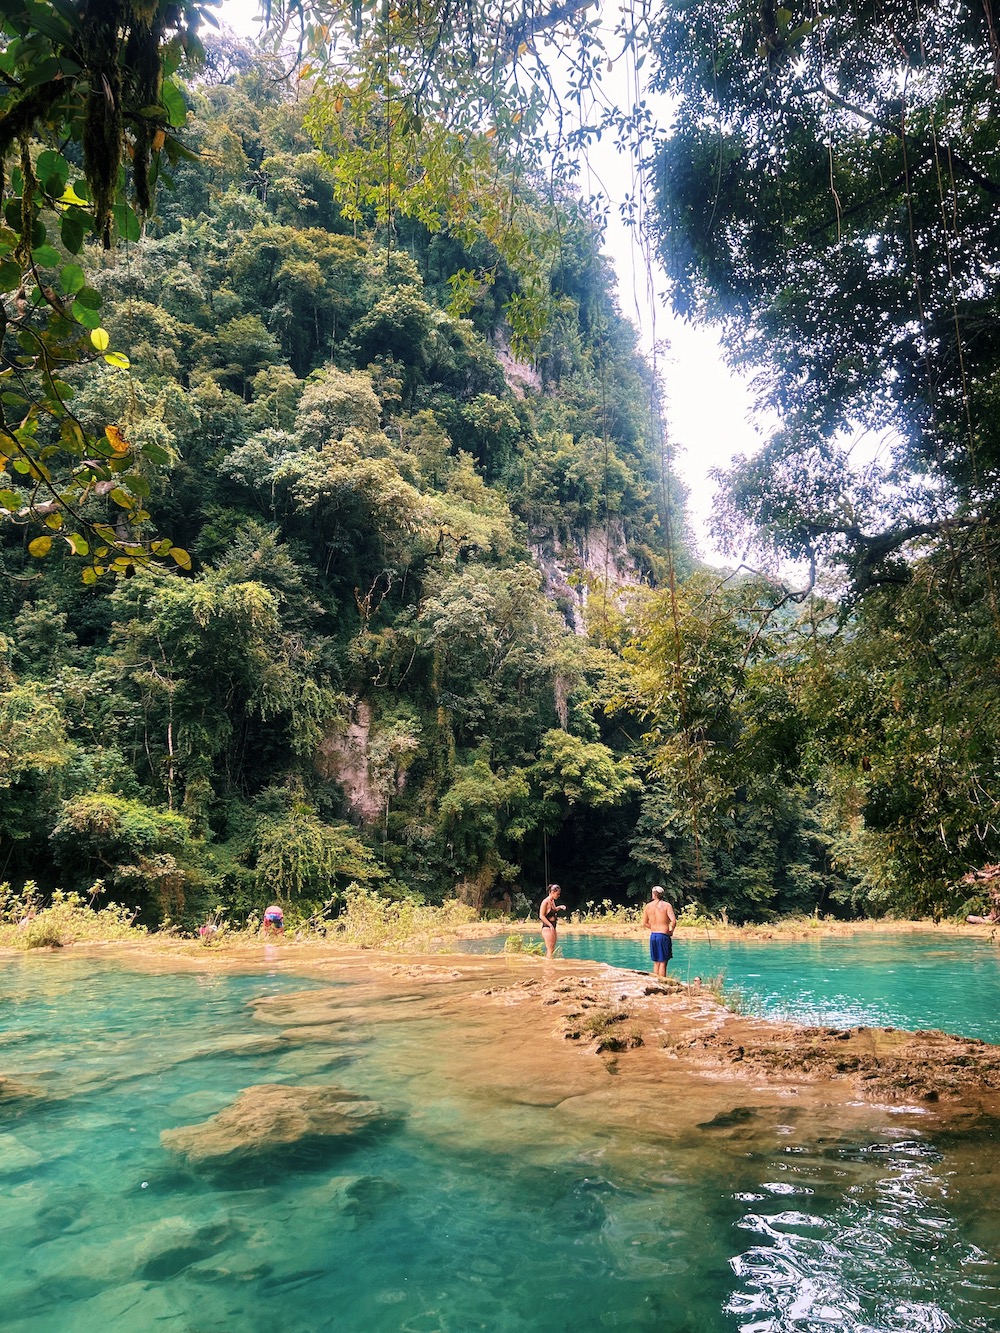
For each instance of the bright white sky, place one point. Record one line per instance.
(710, 415)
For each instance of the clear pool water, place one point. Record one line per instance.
(452, 1214)
(907, 981)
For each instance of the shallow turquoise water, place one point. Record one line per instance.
(452, 1214)
(907, 981)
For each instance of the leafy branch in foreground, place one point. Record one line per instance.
(82, 89)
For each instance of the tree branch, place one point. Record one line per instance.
(925, 151)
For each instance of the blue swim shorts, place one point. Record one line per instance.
(661, 947)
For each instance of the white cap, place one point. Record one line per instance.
(658, 888)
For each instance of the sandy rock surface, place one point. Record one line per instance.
(268, 1118)
(11, 1090)
(595, 1040)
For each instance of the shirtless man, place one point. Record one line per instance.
(547, 916)
(659, 919)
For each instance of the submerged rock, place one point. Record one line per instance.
(17, 1156)
(309, 1061)
(311, 1008)
(172, 1244)
(237, 1044)
(357, 1199)
(739, 1115)
(269, 1120)
(12, 1091)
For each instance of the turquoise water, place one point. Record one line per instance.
(907, 981)
(454, 1212)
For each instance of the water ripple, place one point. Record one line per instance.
(884, 1257)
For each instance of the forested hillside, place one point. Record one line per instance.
(383, 667)
(368, 564)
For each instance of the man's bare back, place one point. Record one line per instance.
(659, 916)
(659, 919)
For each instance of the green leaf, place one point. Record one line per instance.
(101, 339)
(90, 319)
(41, 546)
(128, 224)
(89, 298)
(72, 279)
(117, 359)
(177, 152)
(77, 543)
(89, 575)
(155, 454)
(44, 72)
(52, 170)
(11, 501)
(122, 498)
(10, 276)
(47, 256)
(73, 227)
(173, 104)
(72, 435)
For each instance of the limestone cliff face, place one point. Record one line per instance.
(575, 570)
(343, 758)
(583, 567)
(368, 762)
(522, 377)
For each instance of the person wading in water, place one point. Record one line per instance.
(547, 916)
(659, 919)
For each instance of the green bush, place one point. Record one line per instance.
(606, 913)
(68, 919)
(370, 921)
(518, 944)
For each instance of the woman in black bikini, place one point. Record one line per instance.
(547, 916)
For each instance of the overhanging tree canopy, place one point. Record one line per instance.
(829, 193)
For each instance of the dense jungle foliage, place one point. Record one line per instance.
(335, 587)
